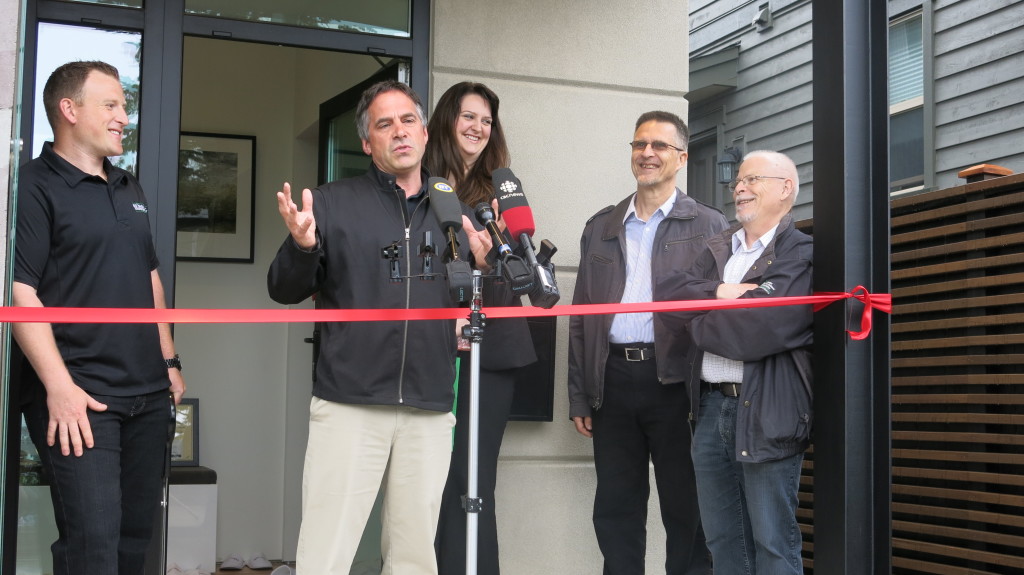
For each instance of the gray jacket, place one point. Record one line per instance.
(680, 239)
(775, 413)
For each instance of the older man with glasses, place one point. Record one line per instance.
(626, 371)
(752, 370)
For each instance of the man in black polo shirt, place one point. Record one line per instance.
(101, 396)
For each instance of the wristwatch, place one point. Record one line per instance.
(174, 362)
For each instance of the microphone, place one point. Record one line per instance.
(447, 209)
(519, 220)
(445, 205)
(512, 202)
(485, 215)
(513, 268)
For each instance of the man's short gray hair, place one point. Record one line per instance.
(781, 161)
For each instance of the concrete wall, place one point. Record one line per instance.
(572, 77)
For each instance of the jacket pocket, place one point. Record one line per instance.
(785, 404)
(680, 254)
(682, 242)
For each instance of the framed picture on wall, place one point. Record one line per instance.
(216, 197)
(185, 444)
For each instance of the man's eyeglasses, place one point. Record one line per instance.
(657, 146)
(751, 180)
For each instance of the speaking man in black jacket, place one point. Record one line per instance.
(752, 370)
(382, 399)
(626, 370)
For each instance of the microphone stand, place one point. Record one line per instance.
(474, 332)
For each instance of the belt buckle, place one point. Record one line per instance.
(636, 354)
(729, 389)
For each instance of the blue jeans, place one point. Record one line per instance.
(748, 509)
(104, 501)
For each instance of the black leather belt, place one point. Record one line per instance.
(632, 351)
(727, 389)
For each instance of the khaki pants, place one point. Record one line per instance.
(351, 450)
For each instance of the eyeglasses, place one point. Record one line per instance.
(657, 146)
(751, 180)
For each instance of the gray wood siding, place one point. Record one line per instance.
(978, 65)
(771, 105)
(976, 97)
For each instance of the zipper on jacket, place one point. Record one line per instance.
(405, 324)
(408, 286)
(403, 205)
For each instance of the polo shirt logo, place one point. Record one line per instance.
(140, 207)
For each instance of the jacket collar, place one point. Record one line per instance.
(684, 208)
(387, 182)
(724, 239)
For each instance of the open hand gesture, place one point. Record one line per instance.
(301, 223)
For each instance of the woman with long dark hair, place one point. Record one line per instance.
(466, 143)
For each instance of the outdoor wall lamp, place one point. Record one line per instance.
(727, 164)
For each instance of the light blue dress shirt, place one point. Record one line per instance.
(638, 327)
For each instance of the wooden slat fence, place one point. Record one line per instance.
(957, 383)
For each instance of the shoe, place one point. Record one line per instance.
(173, 569)
(258, 562)
(232, 563)
(283, 570)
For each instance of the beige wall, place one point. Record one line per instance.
(572, 78)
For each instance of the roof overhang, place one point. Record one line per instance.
(713, 74)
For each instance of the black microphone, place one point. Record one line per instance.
(448, 211)
(513, 268)
(485, 215)
(518, 216)
(445, 205)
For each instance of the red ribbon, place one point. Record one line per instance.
(882, 302)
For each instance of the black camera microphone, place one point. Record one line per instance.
(513, 268)
(519, 219)
(485, 215)
(445, 205)
(447, 209)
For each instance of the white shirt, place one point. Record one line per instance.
(718, 369)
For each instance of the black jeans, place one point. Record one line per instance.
(640, 421)
(496, 390)
(104, 501)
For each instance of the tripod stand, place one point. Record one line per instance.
(474, 332)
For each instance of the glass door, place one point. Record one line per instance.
(341, 151)
(57, 44)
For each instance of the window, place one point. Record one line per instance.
(62, 43)
(383, 17)
(125, 3)
(906, 103)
